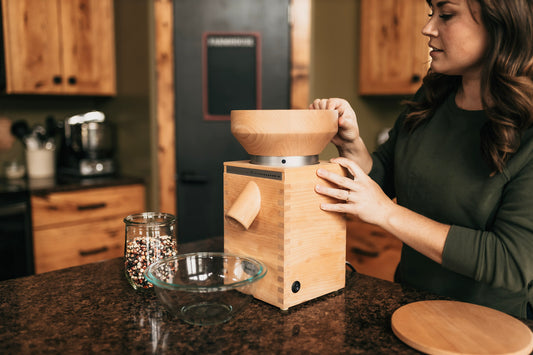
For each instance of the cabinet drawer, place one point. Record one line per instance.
(78, 244)
(86, 205)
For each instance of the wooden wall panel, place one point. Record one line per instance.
(300, 53)
(164, 53)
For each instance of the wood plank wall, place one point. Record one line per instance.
(166, 154)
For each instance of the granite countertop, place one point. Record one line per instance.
(93, 309)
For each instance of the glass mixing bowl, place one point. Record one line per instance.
(205, 288)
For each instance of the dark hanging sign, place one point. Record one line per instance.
(231, 74)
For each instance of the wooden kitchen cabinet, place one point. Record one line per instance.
(72, 228)
(59, 47)
(394, 55)
(372, 250)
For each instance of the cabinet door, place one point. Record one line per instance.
(394, 56)
(32, 46)
(88, 46)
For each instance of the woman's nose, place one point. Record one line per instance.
(430, 29)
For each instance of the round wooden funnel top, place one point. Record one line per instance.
(279, 133)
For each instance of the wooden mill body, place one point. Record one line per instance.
(303, 247)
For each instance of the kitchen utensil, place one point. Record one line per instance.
(451, 327)
(20, 129)
(205, 288)
(40, 133)
(272, 212)
(150, 236)
(50, 126)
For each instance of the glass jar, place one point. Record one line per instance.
(150, 236)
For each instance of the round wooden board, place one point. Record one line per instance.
(451, 327)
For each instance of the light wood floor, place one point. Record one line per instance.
(371, 250)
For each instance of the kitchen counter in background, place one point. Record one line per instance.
(93, 309)
(63, 183)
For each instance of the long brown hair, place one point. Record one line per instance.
(506, 84)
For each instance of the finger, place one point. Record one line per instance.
(334, 104)
(320, 104)
(335, 207)
(339, 180)
(315, 105)
(352, 167)
(338, 194)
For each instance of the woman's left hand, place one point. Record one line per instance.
(362, 197)
(359, 196)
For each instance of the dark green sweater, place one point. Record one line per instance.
(438, 171)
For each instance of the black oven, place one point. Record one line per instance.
(16, 246)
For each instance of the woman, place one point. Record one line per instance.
(459, 161)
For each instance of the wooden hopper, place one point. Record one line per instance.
(281, 133)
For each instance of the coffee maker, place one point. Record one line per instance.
(87, 146)
(271, 211)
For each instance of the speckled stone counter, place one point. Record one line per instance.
(93, 309)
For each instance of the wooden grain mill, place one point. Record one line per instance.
(271, 211)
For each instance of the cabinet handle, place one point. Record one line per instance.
(93, 251)
(93, 206)
(72, 80)
(57, 79)
(415, 78)
(113, 234)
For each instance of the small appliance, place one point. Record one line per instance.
(87, 147)
(271, 211)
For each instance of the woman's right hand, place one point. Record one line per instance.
(347, 139)
(348, 132)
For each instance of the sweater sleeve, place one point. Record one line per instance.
(502, 255)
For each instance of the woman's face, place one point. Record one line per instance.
(457, 37)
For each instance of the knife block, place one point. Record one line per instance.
(303, 247)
